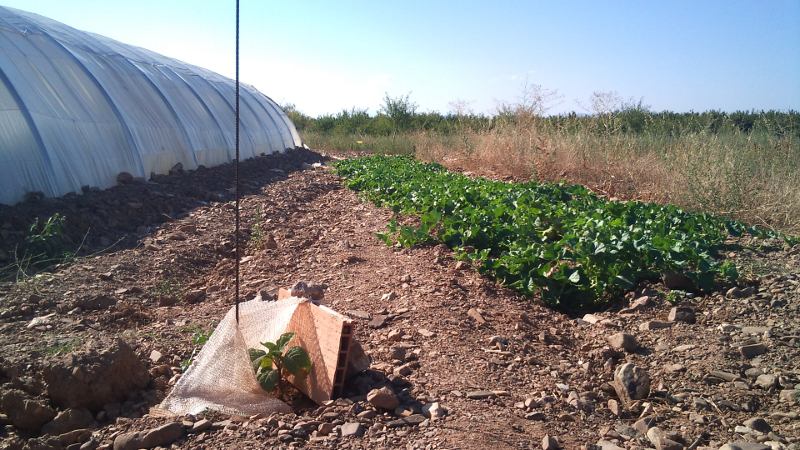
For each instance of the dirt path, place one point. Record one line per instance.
(448, 335)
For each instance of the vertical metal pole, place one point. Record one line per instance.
(236, 164)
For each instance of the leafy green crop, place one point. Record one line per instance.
(577, 249)
(274, 365)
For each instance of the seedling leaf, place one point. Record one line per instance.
(283, 340)
(269, 379)
(296, 361)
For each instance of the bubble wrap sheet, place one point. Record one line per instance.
(220, 378)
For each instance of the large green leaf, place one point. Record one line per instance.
(256, 363)
(283, 340)
(266, 362)
(296, 361)
(268, 379)
(255, 354)
(273, 349)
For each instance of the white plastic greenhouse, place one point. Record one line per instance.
(76, 109)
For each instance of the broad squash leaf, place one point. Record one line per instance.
(296, 361)
(268, 379)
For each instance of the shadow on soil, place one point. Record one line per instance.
(118, 217)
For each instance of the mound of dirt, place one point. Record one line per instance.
(105, 371)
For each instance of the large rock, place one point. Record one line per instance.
(623, 341)
(76, 437)
(201, 425)
(25, 412)
(631, 382)
(758, 424)
(476, 315)
(659, 439)
(104, 372)
(383, 398)
(644, 424)
(766, 380)
(311, 291)
(378, 321)
(434, 411)
(480, 395)
(737, 292)
(358, 360)
(156, 437)
(681, 314)
(752, 350)
(68, 420)
(550, 443)
(791, 396)
(745, 446)
(124, 178)
(652, 325)
(353, 429)
(608, 445)
(412, 420)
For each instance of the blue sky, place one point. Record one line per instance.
(326, 56)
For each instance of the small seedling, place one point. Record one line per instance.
(273, 366)
(167, 291)
(199, 339)
(258, 233)
(44, 246)
(47, 234)
(675, 296)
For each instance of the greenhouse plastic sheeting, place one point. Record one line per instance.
(76, 109)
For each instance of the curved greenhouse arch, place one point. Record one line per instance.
(76, 109)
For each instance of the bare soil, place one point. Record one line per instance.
(170, 277)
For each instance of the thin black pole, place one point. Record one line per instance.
(236, 164)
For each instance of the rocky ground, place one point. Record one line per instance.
(89, 347)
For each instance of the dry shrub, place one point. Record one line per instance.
(495, 153)
(525, 153)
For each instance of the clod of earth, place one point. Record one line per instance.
(25, 412)
(103, 372)
(156, 437)
(68, 420)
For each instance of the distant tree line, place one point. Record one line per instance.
(608, 114)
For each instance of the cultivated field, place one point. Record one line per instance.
(499, 312)
(744, 166)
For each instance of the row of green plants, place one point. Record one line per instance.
(401, 114)
(578, 250)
